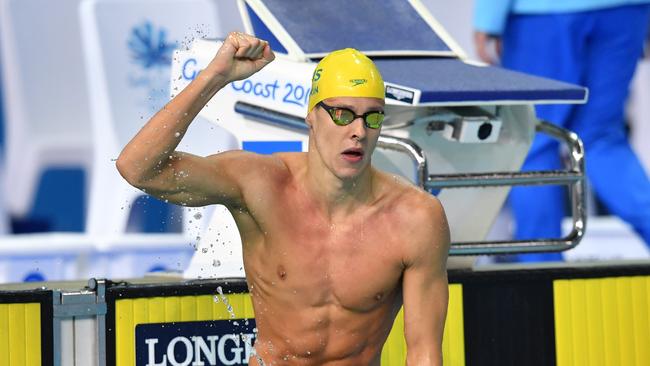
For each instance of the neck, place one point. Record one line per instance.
(338, 195)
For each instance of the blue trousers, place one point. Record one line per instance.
(597, 49)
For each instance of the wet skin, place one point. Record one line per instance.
(326, 282)
(332, 247)
(324, 291)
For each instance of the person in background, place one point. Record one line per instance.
(594, 43)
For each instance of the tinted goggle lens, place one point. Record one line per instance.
(344, 116)
(341, 116)
(374, 119)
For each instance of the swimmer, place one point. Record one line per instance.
(332, 246)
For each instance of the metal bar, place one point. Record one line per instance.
(573, 177)
(411, 149)
(502, 179)
(56, 340)
(99, 285)
(578, 189)
(271, 117)
(70, 305)
(509, 246)
(57, 336)
(74, 310)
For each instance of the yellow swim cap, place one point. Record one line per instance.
(345, 73)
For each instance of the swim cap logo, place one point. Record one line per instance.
(356, 82)
(317, 75)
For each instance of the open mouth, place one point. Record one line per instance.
(353, 154)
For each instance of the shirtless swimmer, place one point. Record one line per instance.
(332, 246)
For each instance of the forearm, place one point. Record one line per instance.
(424, 355)
(151, 149)
(424, 327)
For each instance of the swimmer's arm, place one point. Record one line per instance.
(190, 180)
(150, 160)
(425, 288)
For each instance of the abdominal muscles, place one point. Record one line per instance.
(315, 316)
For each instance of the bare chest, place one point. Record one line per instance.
(355, 264)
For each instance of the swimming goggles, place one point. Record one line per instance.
(344, 116)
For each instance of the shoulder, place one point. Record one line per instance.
(429, 237)
(254, 175)
(409, 201)
(424, 213)
(421, 220)
(249, 164)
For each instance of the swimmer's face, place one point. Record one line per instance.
(345, 150)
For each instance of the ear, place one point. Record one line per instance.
(309, 120)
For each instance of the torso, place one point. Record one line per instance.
(324, 293)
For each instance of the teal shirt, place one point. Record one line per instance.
(490, 15)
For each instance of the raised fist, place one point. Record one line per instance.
(240, 56)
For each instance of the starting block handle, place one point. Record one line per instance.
(573, 176)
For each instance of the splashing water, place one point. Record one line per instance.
(247, 340)
(226, 302)
(220, 295)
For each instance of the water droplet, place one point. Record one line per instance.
(198, 215)
(216, 263)
(226, 302)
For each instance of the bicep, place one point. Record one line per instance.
(425, 288)
(425, 295)
(192, 180)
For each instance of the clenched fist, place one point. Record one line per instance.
(240, 56)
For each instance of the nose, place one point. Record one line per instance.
(358, 129)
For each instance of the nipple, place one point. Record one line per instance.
(282, 273)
